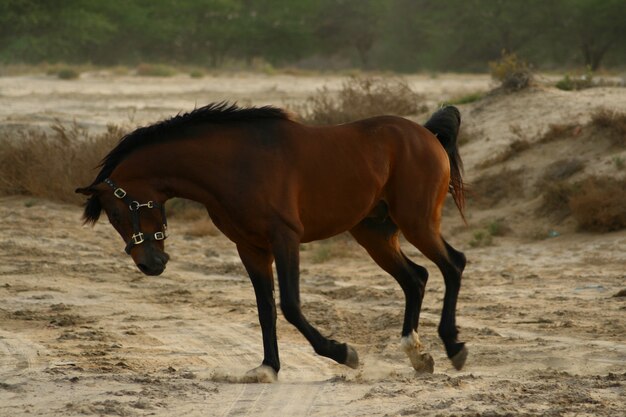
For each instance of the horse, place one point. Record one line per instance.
(270, 183)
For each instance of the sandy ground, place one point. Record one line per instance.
(82, 332)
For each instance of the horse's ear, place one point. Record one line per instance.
(85, 190)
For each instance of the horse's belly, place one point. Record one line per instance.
(334, 218)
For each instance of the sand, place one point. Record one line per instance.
(83, 332)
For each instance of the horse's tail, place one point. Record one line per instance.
(444, 124)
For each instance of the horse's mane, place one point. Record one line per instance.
(170, 129)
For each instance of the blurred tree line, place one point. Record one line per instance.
(401, 35)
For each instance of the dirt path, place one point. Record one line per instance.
(84, 333)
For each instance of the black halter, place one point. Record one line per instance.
(133, 205)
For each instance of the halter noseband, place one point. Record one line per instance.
(138, 236)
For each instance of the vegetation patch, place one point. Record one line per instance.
(513, 73)
(612, 124)
(599, 205)
(560, 131)
(359, 98)
(560, 170)
(68, 73)
(481, 238)
(52, 165)
(488, 190)
(555, 200)
(155, 70)
(576, 82)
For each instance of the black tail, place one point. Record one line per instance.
(445, 124)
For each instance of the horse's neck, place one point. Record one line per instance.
(161, 169)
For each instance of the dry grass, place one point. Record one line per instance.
(513, 73)
(359, 98)
(612, 124)
(559, 171)
(555, 200)
(605, 123)
(599, 205)
(490, 189)
(560, 131)
(52, 165)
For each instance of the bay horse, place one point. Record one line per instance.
(270, 183)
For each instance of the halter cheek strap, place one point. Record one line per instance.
(138, 236)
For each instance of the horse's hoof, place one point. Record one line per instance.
(352, 358)
(459, 359)
(421, 362)
(263, 374)
(426, 364)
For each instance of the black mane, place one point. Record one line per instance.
(220, 112)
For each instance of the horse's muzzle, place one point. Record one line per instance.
(154, 264)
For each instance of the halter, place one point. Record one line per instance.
(138, 236)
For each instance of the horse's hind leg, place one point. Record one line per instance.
(427, 239)
(286, 249)
(380, 238)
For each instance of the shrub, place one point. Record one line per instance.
(599, 205)
(481, 238)
(498, 228)
(490, 189)
(560, 131)
(513, 73)
(67, 74)
(560, 170)
(612, 124)
(575, 83)
(52, 165)
(359, 98)
(155, 70)
(196, 73)
(555, 200)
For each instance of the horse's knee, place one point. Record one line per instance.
(421, 273)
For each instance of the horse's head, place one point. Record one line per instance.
(138, 216)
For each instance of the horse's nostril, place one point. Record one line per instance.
(161, 258)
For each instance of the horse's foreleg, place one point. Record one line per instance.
(286, 251)
(258, 264)
(380, 238)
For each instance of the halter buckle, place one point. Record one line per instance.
(159, 236)
(135, 205)
(137, 238)
(119, 193)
